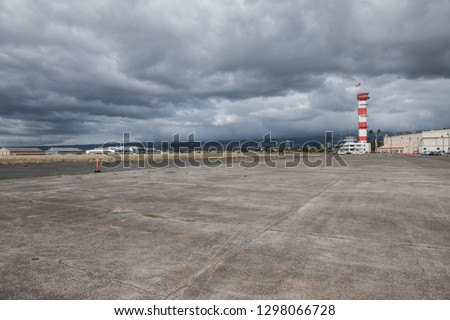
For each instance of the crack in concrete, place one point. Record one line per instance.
(211, 262)
(233, 251)
(419, 265)
(111, 280)
(405, 244)
(422, 274)
(235, 295)
(64, 204)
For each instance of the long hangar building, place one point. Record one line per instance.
(422, 142)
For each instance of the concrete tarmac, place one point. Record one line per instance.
(376, 229)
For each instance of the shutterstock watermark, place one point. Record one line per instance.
(248, 153)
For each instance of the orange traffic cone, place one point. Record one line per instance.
(97, 166)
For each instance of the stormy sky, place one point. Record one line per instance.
(87, 71)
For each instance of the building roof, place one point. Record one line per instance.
(65, 149)
(24, 150)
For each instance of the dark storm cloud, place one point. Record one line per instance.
(88, 70)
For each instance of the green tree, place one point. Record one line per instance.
(376, 138)
(372, 148)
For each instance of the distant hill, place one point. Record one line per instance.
(313, 140)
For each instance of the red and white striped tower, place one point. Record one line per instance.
(362, 97)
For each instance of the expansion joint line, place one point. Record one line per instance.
(303, 206)
(139, 289)
(233, 251)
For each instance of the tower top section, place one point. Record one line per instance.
(362, 96)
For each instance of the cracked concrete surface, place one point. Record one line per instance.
(378, 229)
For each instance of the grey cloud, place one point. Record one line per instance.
(222, 69)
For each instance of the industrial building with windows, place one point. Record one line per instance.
(425, 142)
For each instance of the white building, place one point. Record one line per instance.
(100, 150)
(4, 152)
(63, 151)
(434, 141)
(351, 146)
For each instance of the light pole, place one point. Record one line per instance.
(391, 150)
(418, 145)
(443, 148)
(401, 143)
(448, 144)
(410, 145)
